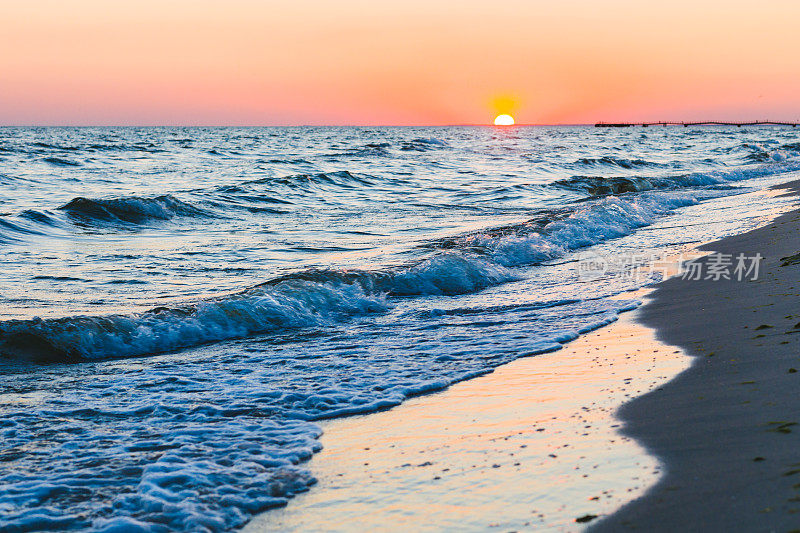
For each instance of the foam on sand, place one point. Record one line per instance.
(446, 461)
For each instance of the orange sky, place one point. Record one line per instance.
(253, 62)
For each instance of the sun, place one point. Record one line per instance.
(504, 120)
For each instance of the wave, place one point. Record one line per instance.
(423, 145)
(305, 299)
(323, 297)
(61, 162)
(792, 147)
(286, 161)
(14, 229)
(44, 218)
(602, 186)
(459, 265)
(133, 147)
(443, 274)
(537, 241)
(342, 178)
(771, 156)
(619, 162)
(130, 209)
(11, 230)
(367, 150)
(61, 147)
(757, 153)
(383, 149)
(553, 233)
(85, 211)
(289, 304)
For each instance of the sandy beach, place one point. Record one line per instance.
(727, 429)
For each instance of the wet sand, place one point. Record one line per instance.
(532, 445)
(728, 429)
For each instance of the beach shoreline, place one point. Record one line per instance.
(531, 445)
(726, 429)
(365, 482)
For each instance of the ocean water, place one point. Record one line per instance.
(178, 306)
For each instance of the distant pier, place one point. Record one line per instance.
(687, 124)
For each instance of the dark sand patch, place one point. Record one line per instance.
(727, 429)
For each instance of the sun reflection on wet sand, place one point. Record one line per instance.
(532, 445)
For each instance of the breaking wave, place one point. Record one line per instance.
(609, 218)
(290, 304)
(306, 299)
(323, 297)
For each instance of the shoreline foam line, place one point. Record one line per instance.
(459, 459)
(726, 428)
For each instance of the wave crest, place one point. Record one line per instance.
(306, 299)
(131, 209)
(602, 186)
(423, 145)
(341, 178)
(610, 218)
(617, 162)
(61, 162)
(289, 304)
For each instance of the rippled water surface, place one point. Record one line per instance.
(177, 306)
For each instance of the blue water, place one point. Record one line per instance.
(179, 305)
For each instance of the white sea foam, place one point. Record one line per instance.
(289, 304)
(179, 449)
(609, 218)
(322, 297)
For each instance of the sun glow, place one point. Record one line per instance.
(504, 120)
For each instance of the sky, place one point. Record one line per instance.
(388, 62)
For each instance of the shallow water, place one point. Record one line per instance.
(200, 296)
(532, 446)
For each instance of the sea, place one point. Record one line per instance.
(180, 307)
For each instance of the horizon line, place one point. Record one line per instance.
(464, 125)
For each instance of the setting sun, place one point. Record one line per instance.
(504, 120)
